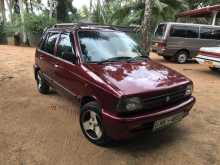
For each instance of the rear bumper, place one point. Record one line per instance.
(215, 62)
(123, 128)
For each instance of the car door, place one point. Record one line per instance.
(47, 58)
(67, 70)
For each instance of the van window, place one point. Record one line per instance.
(184, 31)
(192, 32)
(206, 33)
(217, 22)
(64, 48)
(160, 31)
(217, 34)
(49, 43)
(178, 31)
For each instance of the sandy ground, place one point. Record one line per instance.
(44, 130)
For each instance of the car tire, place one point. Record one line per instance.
(42, 86)
(181, 57)
(213, 69)
(167, 58)
(91, 124)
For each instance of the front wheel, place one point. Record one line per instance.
(91, 124)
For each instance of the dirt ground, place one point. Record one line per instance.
(44, 130)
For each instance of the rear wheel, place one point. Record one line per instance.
(91, 124)
(41, 84)
(181, 57)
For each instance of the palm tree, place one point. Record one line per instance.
(2, 10)
(146, 25)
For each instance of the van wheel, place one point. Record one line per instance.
(167, 58)
(181, 57)
(41, 84)
(91, 124)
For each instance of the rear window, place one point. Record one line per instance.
(160, 30)
(184, 31)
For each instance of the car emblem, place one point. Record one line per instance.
(167, 98)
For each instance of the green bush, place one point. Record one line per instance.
(37, 23)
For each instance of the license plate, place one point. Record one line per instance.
(159, 124)
(209, 63)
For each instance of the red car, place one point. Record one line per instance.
(121, 90)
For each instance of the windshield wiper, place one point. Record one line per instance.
(115, 59)
(142, 57)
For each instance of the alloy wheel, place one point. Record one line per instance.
(91, 125)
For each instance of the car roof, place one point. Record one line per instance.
(68, 27)
(188, 24)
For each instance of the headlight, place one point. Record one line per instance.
(130, 104)
(189, 90)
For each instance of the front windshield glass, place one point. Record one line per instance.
(98, 46)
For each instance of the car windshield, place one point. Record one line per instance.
(108, 46)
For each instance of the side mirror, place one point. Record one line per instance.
(69, 56)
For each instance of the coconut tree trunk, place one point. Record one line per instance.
(146, 25)
(2, 9)
(10, 7)
(31, 5)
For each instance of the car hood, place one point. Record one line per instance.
(138, 77)
(210, 49)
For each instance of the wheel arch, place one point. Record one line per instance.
(86, 99)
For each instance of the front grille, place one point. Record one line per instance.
(158, 102)
(164, 100)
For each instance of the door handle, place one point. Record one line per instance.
(56, 66)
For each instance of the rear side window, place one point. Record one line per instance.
(64, 48)
(49, 43)
(160, 31)
(184, 31)
(217, 22)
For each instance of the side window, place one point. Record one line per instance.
(192, 32)
(49, 43)
(206, 33)
(64, 48)
(217, 34)
(178, 31)
(217, 22)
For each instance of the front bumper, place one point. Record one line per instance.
(212, 62)
(122, 128)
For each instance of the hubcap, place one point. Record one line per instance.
(39, 81)
(182, 58)
(91, 125)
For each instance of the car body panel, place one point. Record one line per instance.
(108, 83)
(209, 56)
